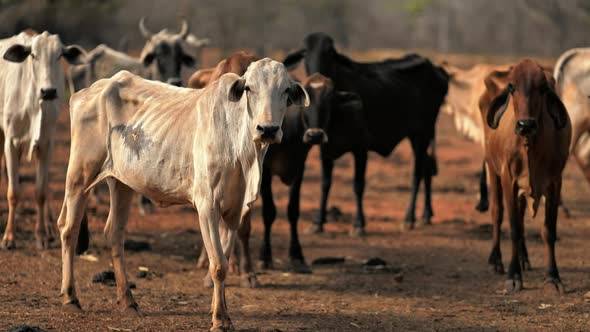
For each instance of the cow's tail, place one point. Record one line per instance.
(431, 165)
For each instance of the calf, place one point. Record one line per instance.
(527, 136)
(31, 85)
(176, 146)
(401, 98)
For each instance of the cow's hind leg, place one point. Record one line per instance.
(209, 219)
(419, 155)
(12, 195)
(68, 223)
(552, 280)
(360, 167)
(121, 197)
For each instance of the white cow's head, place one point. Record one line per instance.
(268, 90)
(43, 54)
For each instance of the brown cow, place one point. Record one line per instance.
(527, 135)
(236, 63)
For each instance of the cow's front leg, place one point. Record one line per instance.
(43, 228)
(552, 280)
(12, 195)
(209, 219)
(516, 207)
(497, 205)
(410, 218)
(121, 197)
(247, 273)
(360, 167)
(320, 219)
(483, 203)
(269, 213)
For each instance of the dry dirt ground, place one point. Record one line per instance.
(446, 284)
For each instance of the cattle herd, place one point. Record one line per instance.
(217, 143)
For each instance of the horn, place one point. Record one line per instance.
(144, 31)
(183, 29)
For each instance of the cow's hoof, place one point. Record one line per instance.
(298, 266)
(7, 244)
(407, 226)
(497, 267)
(248, 280)
(482, 206)
(316, 229)
(358, 232)
(207, 281)
(553, 286)
(513, 285)
(73, 307)
(222, 326)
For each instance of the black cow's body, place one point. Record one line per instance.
(401, 98)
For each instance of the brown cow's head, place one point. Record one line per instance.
(164, 52)
(530, 91)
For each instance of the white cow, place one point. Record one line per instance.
(175, 145)
(31, 85)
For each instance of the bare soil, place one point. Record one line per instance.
(445, 282)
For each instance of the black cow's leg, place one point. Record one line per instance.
(320, 220)
(410, 218)
(483, 204)
(269, 213)
(429, 170)
(296, 259)
(360, 166)
(552, 280)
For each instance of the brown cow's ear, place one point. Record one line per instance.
(498, 107)
(297, 95)
(17, 53)
(74, 54)
(237, 90)
(556, 110)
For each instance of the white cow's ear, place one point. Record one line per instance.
(237, 90)
(298, 95)
(74, 54)
(17, 53)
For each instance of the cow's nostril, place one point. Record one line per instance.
(48, 94)
(259, 128)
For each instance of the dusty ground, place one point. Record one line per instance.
(446, 281)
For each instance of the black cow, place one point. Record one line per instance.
(401, 98)
(302, 129)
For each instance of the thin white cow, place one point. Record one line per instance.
(175, 145)
(31, 85)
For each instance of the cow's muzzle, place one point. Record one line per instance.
(315, 136)
(176, 81)
(268, 133)
(48, 94)
(526, 127)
